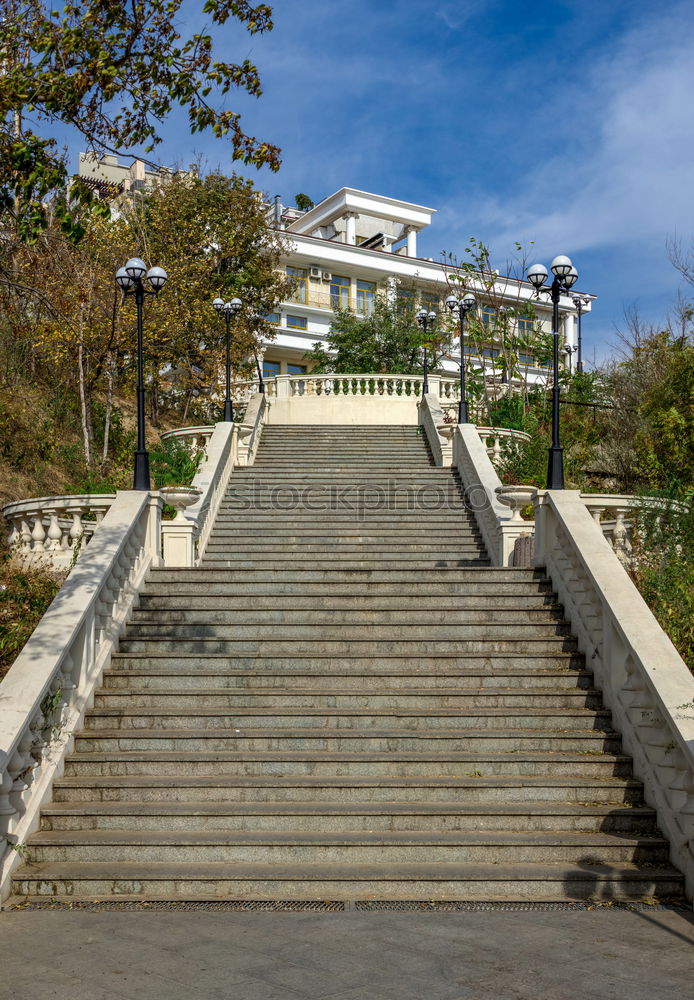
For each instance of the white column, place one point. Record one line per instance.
(351, 232)
(411, 242)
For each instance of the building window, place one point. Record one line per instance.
(339, 292)
(270, 369)
(405, 299)
(273, 318)
(525, 325)
(488, 317)
(430, 302)
(296, 369)
(297, 322)
(366, 297)
(490, 352)
(526, 359)
(299, 281)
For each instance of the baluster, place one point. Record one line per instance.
(54, 534)
(596, 513)
(76, 528)
(25, 532)
(7, 810)
(620, 538)
(496, 452)
(20, 768)
(15, 535)
(38, 533)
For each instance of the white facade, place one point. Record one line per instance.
(354, 245)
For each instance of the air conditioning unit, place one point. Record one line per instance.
(315, 272)
(326, 276)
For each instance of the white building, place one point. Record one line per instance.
(354, 245)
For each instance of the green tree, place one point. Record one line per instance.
(113, 71)
(388, 341)
(211, 235)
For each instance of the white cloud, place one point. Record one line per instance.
(625, 168)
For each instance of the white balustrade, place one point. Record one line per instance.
(644, 681)
(48, 688)
(48, 531)
(353, 385)
(184, 539)
(499, 441)
(194, 438)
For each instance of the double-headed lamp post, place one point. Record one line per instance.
(462, 307)
(565, 275)
(580, 301)
(130, 279)
(229, 309)
(426, 320)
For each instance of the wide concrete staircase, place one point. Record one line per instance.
(345, 701)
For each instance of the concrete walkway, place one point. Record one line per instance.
(543, 955)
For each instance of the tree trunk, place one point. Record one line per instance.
(109, 404)
(84, 403)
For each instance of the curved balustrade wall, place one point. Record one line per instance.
(49, 531)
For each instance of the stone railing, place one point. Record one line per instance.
(194, 438)
(500, 440)
(644, 681)
(251, 428)
(50, 531)
(437, 432)
(499, 527)
(184, 539)
(48, 688)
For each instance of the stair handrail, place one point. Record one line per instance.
(48, 688)
(645, 683)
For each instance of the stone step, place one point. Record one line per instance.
(259, 788)
(393, 740)
(142, 881)
(198, 600)
(429, 617)
(335, 764)
(305, 646)
(345, 564)
(364, 719)
(123, 677)
(473, 576)
(426, 665)
(409, 518)
(401, 847)
(506, 629)
(136, 880)
(267, 584)
(372, 696)
(358, 535)
(462, 548)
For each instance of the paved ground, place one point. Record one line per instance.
(605, 954)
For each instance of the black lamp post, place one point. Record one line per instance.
(565, 275)
(426, 320)
(229, 309)
(579, 301)
(130, 280)
(462, 307)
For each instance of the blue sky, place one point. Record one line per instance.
(567, 123)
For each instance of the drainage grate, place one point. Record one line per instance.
(185, 905)
(327, 906)
(474, 906)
